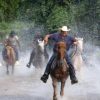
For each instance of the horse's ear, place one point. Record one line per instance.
(38, 41)
(43, 41)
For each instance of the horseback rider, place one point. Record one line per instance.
(56, 37)
(37, 37)
(13, 42)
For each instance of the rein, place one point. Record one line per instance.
(74, 52)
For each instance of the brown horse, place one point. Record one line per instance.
(10, 57)
(60, 72)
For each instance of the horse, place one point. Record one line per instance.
(10, 59)
(77, 54)
(40, 54)
(60, 72)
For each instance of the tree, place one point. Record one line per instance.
(8, 9)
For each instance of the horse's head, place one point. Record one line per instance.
(41, 45)
(61, 50)
(80, 44)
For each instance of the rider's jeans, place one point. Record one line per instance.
(48, 67)
(71, 67)
(31, 56)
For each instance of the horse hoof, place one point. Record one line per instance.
(54, 98)
(7, 72)
(61, 94)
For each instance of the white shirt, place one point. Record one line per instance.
(13, 40)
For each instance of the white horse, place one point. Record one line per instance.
(40, 54)
(43, 48)
(77, 55)
(41, 44)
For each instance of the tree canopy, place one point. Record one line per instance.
(81, 15)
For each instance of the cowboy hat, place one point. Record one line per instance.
(64, 28)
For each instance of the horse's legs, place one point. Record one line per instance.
(55, 89)
(62, 87)
(7, 69)
(31, 57)
(12, 69)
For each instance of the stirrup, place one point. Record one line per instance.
(44, 78)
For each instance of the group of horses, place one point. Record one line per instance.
(60, 72)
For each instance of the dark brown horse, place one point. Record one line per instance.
(10, 57)
(60, 71)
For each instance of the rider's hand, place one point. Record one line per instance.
(75, 43)
(45, 41)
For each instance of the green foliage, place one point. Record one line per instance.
(8, 9)
(82, 15)
(58, 17)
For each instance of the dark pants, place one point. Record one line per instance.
(4, 53)
(31, 57)
(46, 55)
(71, 67)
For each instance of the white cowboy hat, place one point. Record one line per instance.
(64, 28)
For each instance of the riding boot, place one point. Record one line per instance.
(47, 70)
(72, 74)
(71, 71)
(31, 59)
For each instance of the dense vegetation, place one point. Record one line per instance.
(81, 15)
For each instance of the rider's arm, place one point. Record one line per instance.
(50, 36)
(75, 41)
(4, 42)
(18, 43)
(46, 38)
(17, 40)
